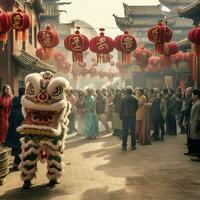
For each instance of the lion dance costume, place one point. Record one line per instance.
(45, 109)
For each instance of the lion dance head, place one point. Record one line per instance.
(45, 106)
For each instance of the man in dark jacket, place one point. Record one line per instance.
(15, 120)
(128, 114)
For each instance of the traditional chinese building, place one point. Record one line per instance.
(192, 11)
(179, 25)
(51, 17)
(18, 59)
(138, 19)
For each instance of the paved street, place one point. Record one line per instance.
(98, 170)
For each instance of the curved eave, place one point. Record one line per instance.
(184, 44)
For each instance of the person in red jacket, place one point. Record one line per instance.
(5, 107)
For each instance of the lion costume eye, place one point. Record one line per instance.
(57, 92)
(30, 90)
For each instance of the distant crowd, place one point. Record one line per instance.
(146, 114)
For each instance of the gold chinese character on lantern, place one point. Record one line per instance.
(102, 44)
(17, 21)
(128, 42)
(75, 43)
(46, 38)
(155, 34)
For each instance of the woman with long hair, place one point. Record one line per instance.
(5, 107)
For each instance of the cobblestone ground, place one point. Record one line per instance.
(98, 170)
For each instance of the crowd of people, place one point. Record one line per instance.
(147, 114)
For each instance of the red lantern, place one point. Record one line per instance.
(20, 21)
(154, 61)
(142, 55)
(102, 45)
(42, 54)
(125, 43)
(194, 37)
(170, 49)
(4, 26)
(188, 56)
(48, 39)
(159, 35)
(77, 43)
(178, 57)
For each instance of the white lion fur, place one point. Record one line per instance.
(64, 106)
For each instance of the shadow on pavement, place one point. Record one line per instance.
(39, 192)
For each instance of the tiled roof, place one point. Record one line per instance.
(176, 1)
(122, 20)
(142, 10)
(36, 5)
(27, 60)
(61, 29)
(180, 23)
(193, 6)
(137, 21)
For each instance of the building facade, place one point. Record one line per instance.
(138, 19)
(18, 59)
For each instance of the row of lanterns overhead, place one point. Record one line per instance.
(102, 45)
(78, 43)
(19, 21)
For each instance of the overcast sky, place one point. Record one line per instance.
(98, 13)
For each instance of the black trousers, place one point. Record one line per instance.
(194, 146)
(159, 127)
(128, 123)
(71, 125)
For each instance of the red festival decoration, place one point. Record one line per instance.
(20, 21)
(193, 66)
(125, 43)
(170, 49)
(159, 35)
(77, 43)
(4, 26)
(102, 45)
(48, 39)
(178, 57)
(42, 54)
(142, 55)
(154, 61)
(194, 37)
